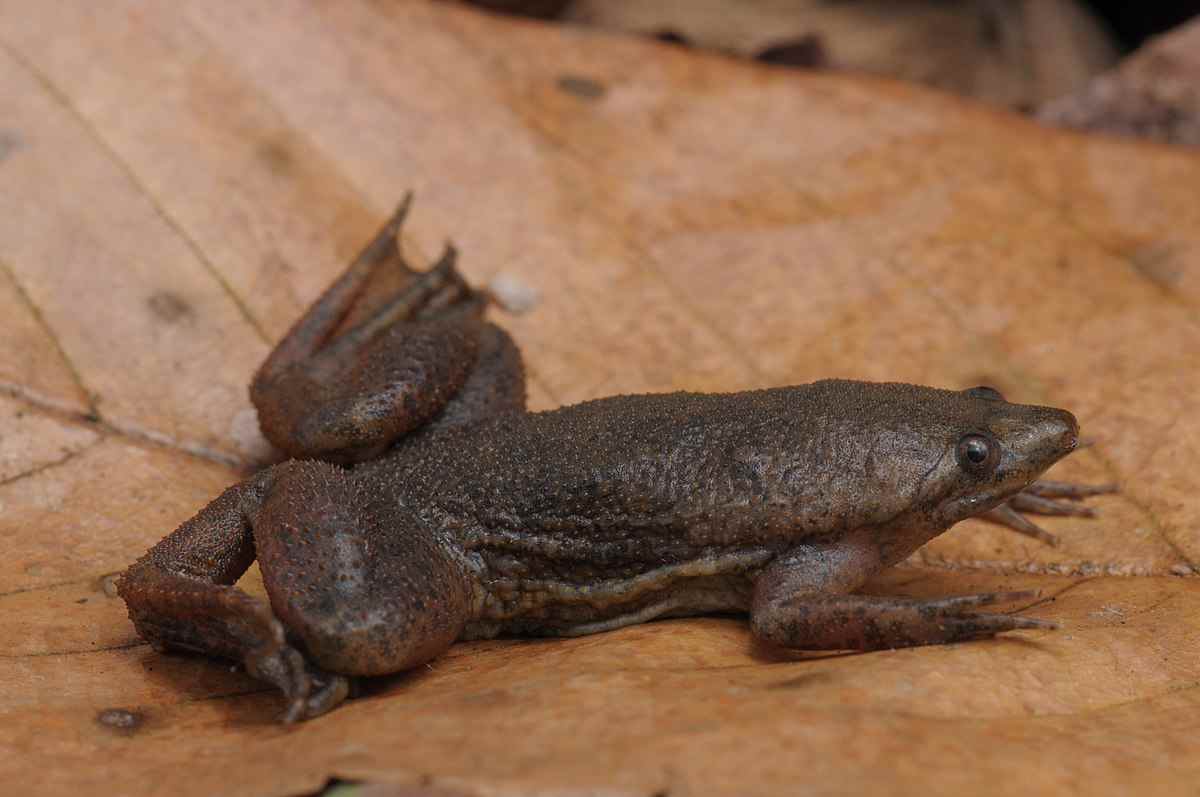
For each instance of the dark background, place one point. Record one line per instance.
(1133, 22)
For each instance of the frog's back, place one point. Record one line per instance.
(636, 506)
(657, 477)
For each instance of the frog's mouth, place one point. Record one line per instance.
(1032, 445)
(969, 506)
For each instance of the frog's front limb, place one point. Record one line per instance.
(349, 593)
(1038, 498)
(802, 600)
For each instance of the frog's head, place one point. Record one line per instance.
(905, 460)
(990, 451)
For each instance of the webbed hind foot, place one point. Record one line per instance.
(345, 395)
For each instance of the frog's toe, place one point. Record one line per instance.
(1048, 488)
(957, 624)
(331, 690)
(957, 603)
(314, 693)
(980, 626)
(309, 690)
(283, 667)
(1025, 502)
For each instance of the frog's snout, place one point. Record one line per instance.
(1060, 431)
(1069, 438)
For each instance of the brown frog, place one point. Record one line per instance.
(424, 505)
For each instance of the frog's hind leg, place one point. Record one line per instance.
(358, 583)
(346, 596)
(181, 595)
(802, 600)
(345, 395)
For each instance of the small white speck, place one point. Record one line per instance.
(514, 295)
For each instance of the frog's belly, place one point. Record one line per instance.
(571, 607)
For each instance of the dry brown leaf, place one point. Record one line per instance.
(180, 179)
(1017, 53)
(1153, 93)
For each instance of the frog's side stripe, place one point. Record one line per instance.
(509, 598)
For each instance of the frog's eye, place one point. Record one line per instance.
(977, 454)
(985, 392)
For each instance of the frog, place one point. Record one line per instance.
(422, 504)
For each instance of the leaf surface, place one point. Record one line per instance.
(181, 179)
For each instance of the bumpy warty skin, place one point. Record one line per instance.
(621, 487)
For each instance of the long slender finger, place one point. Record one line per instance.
(1045, 506)
(456, 291)
(295, 711)
(298, 684)
(976, 625)
(1048, 488)
(955, 603)
(327, 697)
(1005, 515)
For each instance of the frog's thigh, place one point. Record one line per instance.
(496, 384)
(801, 601)
(364, 593)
